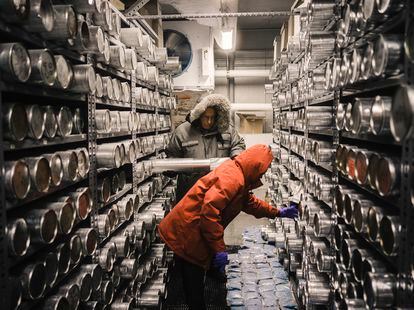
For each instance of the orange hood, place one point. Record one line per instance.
(254, 162)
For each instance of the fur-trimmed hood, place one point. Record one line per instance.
(222, 106)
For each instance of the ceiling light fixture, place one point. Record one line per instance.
(227, 39)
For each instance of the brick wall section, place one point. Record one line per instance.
(186, 100)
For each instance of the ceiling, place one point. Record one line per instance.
(253, 32)
(274, 22)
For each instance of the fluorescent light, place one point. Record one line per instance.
(227, 39)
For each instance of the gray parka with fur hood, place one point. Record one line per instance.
(189, 140)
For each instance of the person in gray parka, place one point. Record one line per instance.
(206, 133)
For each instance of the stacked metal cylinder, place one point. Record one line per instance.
(342, 115)
(86, 98)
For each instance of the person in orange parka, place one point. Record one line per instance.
(194, 229)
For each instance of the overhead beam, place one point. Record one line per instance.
(134, 8)
(212, 15)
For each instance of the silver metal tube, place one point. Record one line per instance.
(82, 202)
(89, 238)
(324, 262)
(107, 257)
(104, 18)
(361, 166)
(81, 41)
(131, 36)
(65, 122)
(43, 66)
(317, 292)
(33, 280)
(350, 164)
(380, 290)
(104, 190)
(352, 304)
(43, 225)
(185, 164)
(388, 56)
(126, 91)
(366, 63)
(90, 6)
(15, 122)
(36, 121)
(63, 254)
(129, 268)
(84, 281)
(361, 114)
(39, 173)
(356, 65)
(65, 213)
(116, 276)
(115, 121)
(401, 113)
(65, 24)
(41, 16)
(357, 259)
(118, 57)
(122, 245)
(83, 162)
(84, 79)
(116, 84)
(72, 293)
(360, 215)
(373, 265)
(125, 208)
(18, 237)
(114, 184)
(51, 126)
(389, 234)
(96, 43)
(348, 245)
(108, 90)
(126, 121)
(109, 156)
(374, 158)
(104, 226)
(99, 91)
(70, 165)
(56, 302)
(75, 245)
(106, 293)
(387, 176)
(78, 122)
(96, 274)
(103, 121)
(323, 224)
(380, 115)
(18, 70)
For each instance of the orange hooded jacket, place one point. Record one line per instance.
(194, 229)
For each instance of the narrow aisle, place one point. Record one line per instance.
(255, 278)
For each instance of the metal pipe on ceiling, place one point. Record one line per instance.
(242, 73)
(212, 15)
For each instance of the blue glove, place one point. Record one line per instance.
(220, 261)
(289, 212)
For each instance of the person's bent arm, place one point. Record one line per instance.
(259, 208)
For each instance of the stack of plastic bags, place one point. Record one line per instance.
(255, 278)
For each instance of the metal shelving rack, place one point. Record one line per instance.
(402, 264)
(89, 139)
(406, 250)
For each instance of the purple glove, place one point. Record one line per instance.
(220, 261)
(289, 212)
